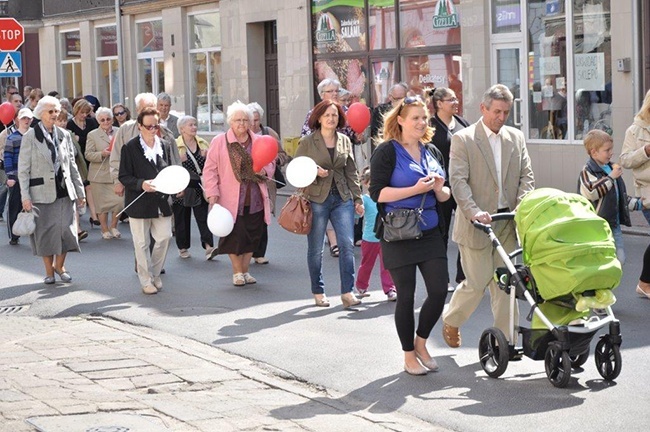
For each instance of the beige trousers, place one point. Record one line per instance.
(479, 266)
(149, 264)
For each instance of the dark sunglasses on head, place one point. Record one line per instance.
(151, 127)
(119, 113)
(13, 93)
(408, 101)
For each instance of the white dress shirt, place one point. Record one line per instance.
(495, 145)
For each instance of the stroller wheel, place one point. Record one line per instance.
(558, 366)
(608, 359)
(579, 360)
(493, 352)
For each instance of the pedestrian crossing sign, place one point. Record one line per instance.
(12, 64)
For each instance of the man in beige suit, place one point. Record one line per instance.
(490, 172)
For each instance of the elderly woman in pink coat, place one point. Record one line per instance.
(229, 180)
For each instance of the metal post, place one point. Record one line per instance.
(120, 53)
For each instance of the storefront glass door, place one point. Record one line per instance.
(507, 58)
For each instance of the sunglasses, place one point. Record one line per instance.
(409, 101)
(151, 127)
(52, 111)
(450, 100)
(119, 113)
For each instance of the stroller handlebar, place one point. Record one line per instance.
(495, 217)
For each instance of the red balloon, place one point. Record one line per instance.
(265, 150)
(7, 113)
(358, 117)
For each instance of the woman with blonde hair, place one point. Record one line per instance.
(405, 174)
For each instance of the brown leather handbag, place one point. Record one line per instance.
(296, 215)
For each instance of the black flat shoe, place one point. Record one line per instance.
(94, 222)
(334, 251)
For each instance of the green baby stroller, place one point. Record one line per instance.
(569, 270)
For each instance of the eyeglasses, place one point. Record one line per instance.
(409, 101)
(151, 127)
(452, 100)
(332, 91)
(105, 119)
(241, 120)
(119, 113)
(52, 111)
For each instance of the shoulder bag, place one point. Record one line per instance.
(403, 224)
(296, 215)
(192, 198)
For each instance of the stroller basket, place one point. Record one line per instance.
(535, 342)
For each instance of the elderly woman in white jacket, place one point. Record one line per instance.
(49, 180)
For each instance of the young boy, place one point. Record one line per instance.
(600, 182)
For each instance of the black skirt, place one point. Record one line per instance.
(245, 236)
(408, 252)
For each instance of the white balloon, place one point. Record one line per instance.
(220, 221)
(301, 171)
(172, 180)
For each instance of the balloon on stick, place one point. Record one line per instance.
(302, 171)
(264, 151)
(171, 180)
(358, 116)
(7, 113)
(220, 221)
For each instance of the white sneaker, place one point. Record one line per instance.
(211, 253)
(361, 293)
(184, 253)
(392, 295)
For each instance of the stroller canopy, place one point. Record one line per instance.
(567, 246)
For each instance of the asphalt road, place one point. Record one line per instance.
(355, 352)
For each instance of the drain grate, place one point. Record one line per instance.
(13, 310)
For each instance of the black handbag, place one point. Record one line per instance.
(403, 224)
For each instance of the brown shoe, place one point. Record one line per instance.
(451, 335)
(149, 289)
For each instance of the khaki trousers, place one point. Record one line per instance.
(479, 266)
(149, 264)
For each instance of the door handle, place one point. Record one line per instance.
(517, 112)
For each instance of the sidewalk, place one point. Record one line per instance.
(92, 373)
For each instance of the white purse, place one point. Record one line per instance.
(25, 223)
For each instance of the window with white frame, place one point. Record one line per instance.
(107, 65)
(205, 71)
(71, 64)
(151, 66)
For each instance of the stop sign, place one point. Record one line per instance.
(12, 34)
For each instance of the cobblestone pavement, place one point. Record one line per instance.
(91, 373)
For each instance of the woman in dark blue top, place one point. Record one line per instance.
(402, 171)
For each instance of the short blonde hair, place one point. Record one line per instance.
(595, 139)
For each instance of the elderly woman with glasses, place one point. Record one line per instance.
(150, 215)
(49, 180)
(407, 174)
(98, 152)
(229, 180)
(335, 196)
(446, 122)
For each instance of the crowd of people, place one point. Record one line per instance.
(425, 158)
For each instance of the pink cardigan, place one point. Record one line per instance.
(219, 179)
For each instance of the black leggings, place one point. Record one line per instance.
(434, 273)
(645, 273)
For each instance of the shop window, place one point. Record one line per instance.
(383, 80)
(205, 72)
(592, 66)
(429, 23)
(547, 72)
(151, 70)
(350, 72)
(107, 65)
(338, 28)
(425, 72)
(381, 16)
(71, 64)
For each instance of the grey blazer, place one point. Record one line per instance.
(36, 169)
(343, 169)
(474, 182)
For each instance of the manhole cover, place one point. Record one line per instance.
(191, 311)
(12, 310)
